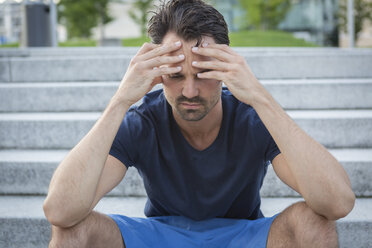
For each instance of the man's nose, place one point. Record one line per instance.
(190, 89)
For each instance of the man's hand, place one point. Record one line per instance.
(231, 68)
(145, 70)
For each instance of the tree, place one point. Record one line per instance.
(139, 13)
(362, 13)
(81, 16)
(265, 14)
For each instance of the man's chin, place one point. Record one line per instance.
(191, 115)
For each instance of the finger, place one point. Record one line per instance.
(165, 70)
(214, 53)
(223, 47)
(214, 65)
(219, 75)
(146, 47)
(157, 80)
(158, 61)
(161, 50)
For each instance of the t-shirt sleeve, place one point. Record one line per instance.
(124, 146)
(269, 146)
(272, 150)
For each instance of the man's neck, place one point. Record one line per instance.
(201, 134)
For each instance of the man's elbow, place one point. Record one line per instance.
(57, 216)
(342, 207)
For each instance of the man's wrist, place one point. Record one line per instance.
(261, 98)
(120, 102)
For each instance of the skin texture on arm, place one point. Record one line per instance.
(87, 172)
(75, 182)
(303, 164)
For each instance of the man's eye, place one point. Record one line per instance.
(175, 76)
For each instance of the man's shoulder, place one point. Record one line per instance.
(233, 104)
(152, 106)
(153, 99)
(238, 112)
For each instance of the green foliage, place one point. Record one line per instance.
(257, 38)
(362, 12)
(264, 14)
(10, 45)
(139, 13)
(81, 16)
(78, 43)
(130, 42)
(246, 38)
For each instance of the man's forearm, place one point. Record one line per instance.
(73, 186)
(321, 180)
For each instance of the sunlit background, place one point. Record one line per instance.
(123, 22)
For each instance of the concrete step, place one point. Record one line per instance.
(22, 222)
(28, 172)
(67, 51)
(106, 67)
(94, 96)
(332, 128)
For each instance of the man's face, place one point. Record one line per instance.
(190, 97)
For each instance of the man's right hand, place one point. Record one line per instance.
(145, 70)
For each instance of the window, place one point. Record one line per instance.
(16, 21)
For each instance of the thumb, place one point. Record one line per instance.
(156, 80)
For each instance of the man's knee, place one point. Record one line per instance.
(76, 236)
(67, 237)
(308, 227)
(96, 230)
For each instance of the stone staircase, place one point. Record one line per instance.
(50, 98)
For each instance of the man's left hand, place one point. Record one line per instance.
(231, 68)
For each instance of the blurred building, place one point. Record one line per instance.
(364, 38)
(122, 26)
(10, 21)
(231, 11)
(313, 20)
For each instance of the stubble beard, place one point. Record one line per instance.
(195, 114)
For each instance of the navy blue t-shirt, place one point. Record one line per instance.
(222, 181)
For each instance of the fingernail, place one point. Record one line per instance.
(195, 49)
(194, 63)
(177, 43)
(205, 44)
(179, 68)
(181, 56)
(198, 74)
(155, 68)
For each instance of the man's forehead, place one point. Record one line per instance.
(171, 37)
(187, 45)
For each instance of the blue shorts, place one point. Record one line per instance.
(178, 231)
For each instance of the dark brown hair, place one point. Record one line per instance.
(190, 20)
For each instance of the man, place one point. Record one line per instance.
(202, 151)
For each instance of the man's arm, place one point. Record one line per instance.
(304, 164)
(87, 172)
(74, 184)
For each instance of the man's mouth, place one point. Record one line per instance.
(189, 105)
